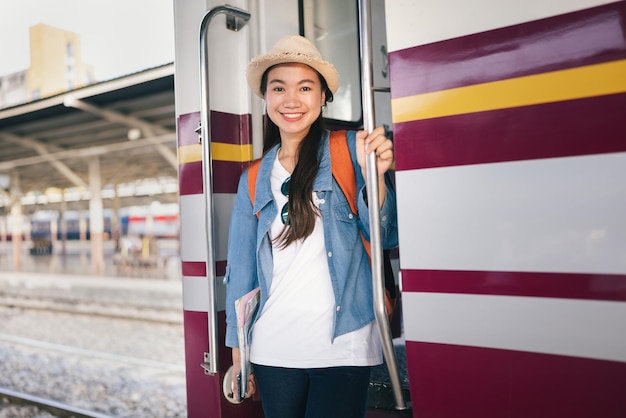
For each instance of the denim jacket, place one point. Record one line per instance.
(250, 261)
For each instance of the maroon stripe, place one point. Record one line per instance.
(198, 268)
(225, 177)
(190, 178)
(575, 127)
(203, 391)
(571, 40)
(187, 124)
(194, 268)
(460, 381)
(227, 128)
(553, 285)
(220, 268)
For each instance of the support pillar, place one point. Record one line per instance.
(96, 217)
(54, 230)
(63, 225)
(16, 221)
(148, 239)
(116, 225)
(82, 227)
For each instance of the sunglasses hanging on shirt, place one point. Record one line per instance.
(284, 189)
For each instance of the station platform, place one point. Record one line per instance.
(70, 283)
(63, 278)
(74, 259)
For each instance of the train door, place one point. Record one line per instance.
(510, 143)
(208, 185)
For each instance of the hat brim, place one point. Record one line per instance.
(258, 66)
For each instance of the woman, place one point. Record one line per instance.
(314, 340)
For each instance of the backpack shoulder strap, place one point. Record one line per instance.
(343, 172)
(253, 171)
(342, 168)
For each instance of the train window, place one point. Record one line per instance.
(333, 27)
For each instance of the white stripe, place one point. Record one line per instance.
(192, 228)
(196, 294)
(580, 328)
(550, 215)
(193, 224)
(418, 22)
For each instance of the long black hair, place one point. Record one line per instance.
(302, 211)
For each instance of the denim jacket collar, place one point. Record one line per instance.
(263, 190)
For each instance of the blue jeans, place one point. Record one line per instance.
(334, 392)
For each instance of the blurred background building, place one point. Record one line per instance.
(56, 66)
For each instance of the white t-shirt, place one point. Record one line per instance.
(296, 324)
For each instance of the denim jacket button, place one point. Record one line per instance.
(350, 216)
(338, 308)
(330, 254)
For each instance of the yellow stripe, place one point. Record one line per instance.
(577, 83)
(219, 151)
(189, 153)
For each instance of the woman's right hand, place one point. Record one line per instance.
(236, 355)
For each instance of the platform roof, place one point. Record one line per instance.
(128, 123)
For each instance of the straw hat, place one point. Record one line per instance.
(287, 50)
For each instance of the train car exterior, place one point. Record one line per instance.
(508, 122)
(158, 221)
(510, 132)
(137, 221)
(45, 225)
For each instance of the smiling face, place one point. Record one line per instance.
(294, 99)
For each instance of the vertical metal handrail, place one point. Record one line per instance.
(236, 19)
(376, 255)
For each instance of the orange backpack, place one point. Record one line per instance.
(343, 173)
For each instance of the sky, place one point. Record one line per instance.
(117, 37)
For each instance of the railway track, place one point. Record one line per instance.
(92, 354)
(109, 345)
(80, 306)
(11, 398)
(54, 368)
